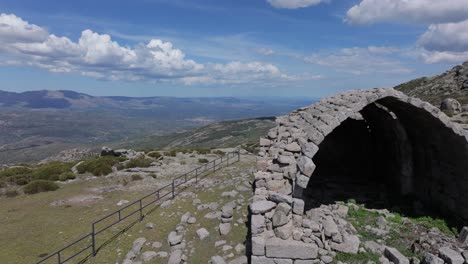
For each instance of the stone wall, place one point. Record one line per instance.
(403, 145)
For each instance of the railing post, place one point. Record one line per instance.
(173, 189)
(185, 177)
(93, 241)
(238, 155)
(196, 175)
(158, 195)
(227, 160)
(214, 165)
(141, 211)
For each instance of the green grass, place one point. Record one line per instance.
(358, 258)
(440, 224)
(31, 227)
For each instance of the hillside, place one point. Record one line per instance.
(221, 134)
(453, 83)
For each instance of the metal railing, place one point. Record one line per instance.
(142, 203)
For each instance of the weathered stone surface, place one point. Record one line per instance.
(293, 147)
(279, 219)
(224, 228)
(265, 142)
(298, 206)
(463, 236)
(261, 207)
(431, 259)
(451, 106)
(306, 165)
(257, 224)
(451, 256)
(395, 256)
(280, 198)
(148, 255)
(258, 246)
(174, 239)
(265, 260)
(138, 244)
(350, 244)
(330, 227)
(284, 232)
(278, 248)
(286, 159)
(202, 233)
(176, 257)
(302, 180)
(217, 260)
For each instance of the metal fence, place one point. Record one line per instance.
(91, 247)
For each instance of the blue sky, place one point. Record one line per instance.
(227, 48)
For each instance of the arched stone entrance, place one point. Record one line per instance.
(378, 146)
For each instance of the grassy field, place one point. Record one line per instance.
(32, 227)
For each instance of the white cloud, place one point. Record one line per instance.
(98, 56)
(14, 29)
(359, 61)
(412, 11)
(444, 43)
(446, 37)
(293, 4)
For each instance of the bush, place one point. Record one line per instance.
(202, 150)
(203, 160)
(3, 184)
(155, 154)
(14, 171)
(136, 177)
(219, 152)
(139, 163)
(120, 166)
(99, 166)
(38, 186)
(67, 176)
(10, 193)
(51, 171)
(171, 153)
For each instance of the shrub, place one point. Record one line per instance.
(99, 166)
(155, 154)
(171, 153)
(203, 160)
(11, 193)
(136, 177)
(3, 184)
(139, 163)
(219, 152)
(20, 180)
(38, 186)
(67, 176)
(14, 171)
(51, 171)
(120, 166)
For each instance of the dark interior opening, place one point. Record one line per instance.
(396, 156)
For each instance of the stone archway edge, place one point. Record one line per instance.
(277, 208)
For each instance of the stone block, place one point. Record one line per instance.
(291, 249)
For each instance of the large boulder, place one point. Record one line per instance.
(451, 106)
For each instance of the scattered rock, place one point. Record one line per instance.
(395, 256)
(202, 233)
(451, 256)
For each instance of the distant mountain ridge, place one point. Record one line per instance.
(65, 99)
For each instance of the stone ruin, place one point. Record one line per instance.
(379, 147)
